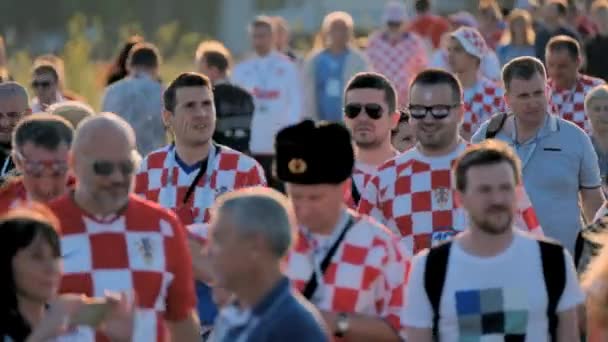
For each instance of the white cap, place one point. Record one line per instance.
(394, 11)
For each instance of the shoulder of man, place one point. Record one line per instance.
(300, 315)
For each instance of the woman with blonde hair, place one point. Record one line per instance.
(595, 284)
(519, 39)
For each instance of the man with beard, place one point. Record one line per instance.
(40, 150)
(559, 166)
(370, 114)
(413, 193)
(492, 282)
(189, 174)
(13, 106)
(113, 240)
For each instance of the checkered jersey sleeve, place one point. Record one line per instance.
(370, 203)
(181, 297)
(526, 216)
(396, 271)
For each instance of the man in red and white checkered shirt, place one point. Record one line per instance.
(113, 240)
(567, 86)
(482, 97)
(413, 194)
(348, 265)
(395, 53)
(40, 151)
(188, 175)
(370, 113)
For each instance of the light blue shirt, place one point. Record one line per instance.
(556, 164)
(329, 79)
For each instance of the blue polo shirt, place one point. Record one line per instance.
(282, 315)
(556, 164)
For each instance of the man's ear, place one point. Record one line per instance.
(18, 162)
(395, 119)
(167, 115)
(458, 198)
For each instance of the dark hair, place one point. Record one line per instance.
(43, 130)
(561, 5)
(144, 55)
(437, 76)
(372, 80)
(18, 229)
(522, 68)
(262, 21)
(422, 6)
(563, 42)
(216, 59)
(46, 68)
(488, 152)
(118, 69)
(404, 117)
(186, 79)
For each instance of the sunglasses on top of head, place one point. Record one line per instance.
(419, 112)
(106, 168)
(373, 110)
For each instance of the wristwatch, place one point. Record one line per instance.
(342, 324)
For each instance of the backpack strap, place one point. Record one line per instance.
(434, 278)
(554, 272)
(495, 124)
(354, 191)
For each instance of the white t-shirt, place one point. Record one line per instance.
(490, 299)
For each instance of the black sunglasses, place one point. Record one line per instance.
(419, 112)
(106, 168)
(41, 84)
(373, 110)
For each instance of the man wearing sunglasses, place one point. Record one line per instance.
(45, 83)
(114, 240)
(413, 193)
(13, 107)
(370, 114)
(40, 152)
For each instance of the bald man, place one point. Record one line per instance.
(114, 241)
(14, 104)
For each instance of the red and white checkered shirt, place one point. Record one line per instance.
(480, 102)
(413, 195)
(399, 61)
(367, 274)
(361, 175)
(12, 194)
(570, 103)
(161, 180)
(143, 249)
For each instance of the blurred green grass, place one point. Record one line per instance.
(85, 74)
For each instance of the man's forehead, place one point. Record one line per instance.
(431, 94)
(184, 94)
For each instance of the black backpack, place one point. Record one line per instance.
(554, 272)
(495, 124)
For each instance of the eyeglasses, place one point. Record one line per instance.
(373, 110)
(41, 84)
(106, 168)
(36, 168)
(438, 112)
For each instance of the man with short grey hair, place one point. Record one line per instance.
(14, 104)
(558, 160)
(251, 233)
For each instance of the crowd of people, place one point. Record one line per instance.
(444, 180)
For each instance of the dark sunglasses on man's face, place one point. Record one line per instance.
(41, 84)
(373, 110)
(419, 112)
(106, 168)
